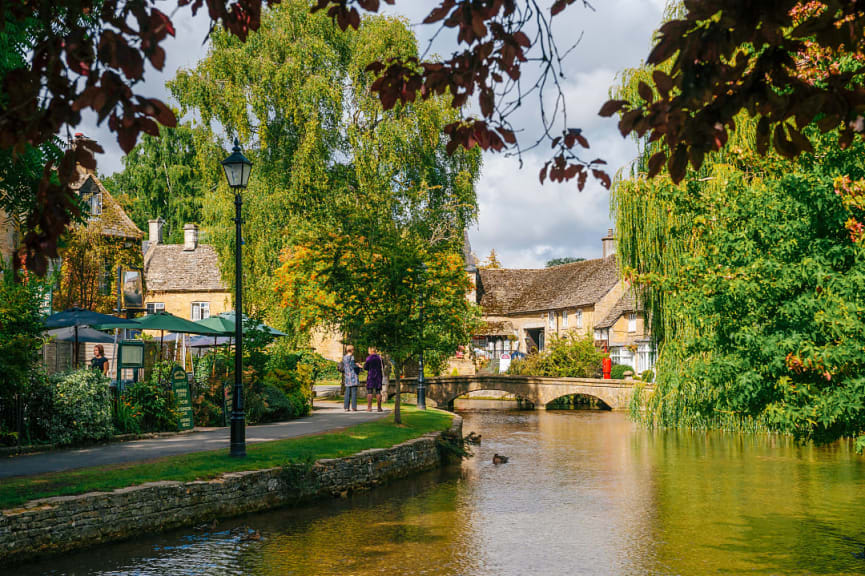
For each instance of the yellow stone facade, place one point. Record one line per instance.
(180, 303)
(7, 239)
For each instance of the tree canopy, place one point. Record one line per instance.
(751, 271)
(560, 261)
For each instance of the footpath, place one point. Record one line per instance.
(325, 417)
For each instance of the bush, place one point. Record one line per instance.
(82, 407)
(648, 376)
(153, 398)
(571, 356)
(618, 371)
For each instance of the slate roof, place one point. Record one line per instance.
(627, 303)
(170, 268)
(516, 291)
(113, 220)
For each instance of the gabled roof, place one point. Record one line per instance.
(515, 291)
(170, 268)
(627, 303)
(113, 220)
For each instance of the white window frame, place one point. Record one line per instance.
(95, 203)
(551, 318)
(154, 307)
(203, 310)
(564, 318)
(578, 318)
(632, 322)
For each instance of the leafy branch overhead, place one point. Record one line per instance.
(500, 38)
(794, 63)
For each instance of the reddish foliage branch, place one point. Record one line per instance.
(499, 37)
(729, 56)
(88, 54)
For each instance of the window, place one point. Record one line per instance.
(200, 310)
(645, 357)
(95, 202)
(579, 318)
(564, 319)
(552, 320)
(632, 322)
(154, 307)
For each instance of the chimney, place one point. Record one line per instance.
(608, 243)
(190, 237)
(154, 231)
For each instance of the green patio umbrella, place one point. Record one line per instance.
(77, 317)
(224, 324)
(165, 322)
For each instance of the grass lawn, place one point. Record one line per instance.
(205, 465)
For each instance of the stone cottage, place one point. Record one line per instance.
(183, 279)
(524, 308)
(8, 239)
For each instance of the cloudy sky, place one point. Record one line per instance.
(525, 222)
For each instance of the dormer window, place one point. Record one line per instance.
(95, 202)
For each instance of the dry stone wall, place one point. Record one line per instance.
(64, 523)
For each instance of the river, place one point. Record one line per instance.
(584, 492)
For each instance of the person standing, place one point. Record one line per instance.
(374, 366)
(350, 370)
(99, 361)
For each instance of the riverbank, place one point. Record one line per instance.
(187, 490)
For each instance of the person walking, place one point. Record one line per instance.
(99, 361)
(350, 370)
(374, 366)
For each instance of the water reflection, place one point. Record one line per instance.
(583, 493)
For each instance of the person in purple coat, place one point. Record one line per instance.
(374, 366)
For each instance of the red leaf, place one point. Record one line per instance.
(558, 6)
(656, 162)
(603, 177)
(610, 107)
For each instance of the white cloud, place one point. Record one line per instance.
(525, 222)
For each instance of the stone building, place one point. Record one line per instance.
(183, 279)
(524, 308)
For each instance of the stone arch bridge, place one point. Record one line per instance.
(616, 394)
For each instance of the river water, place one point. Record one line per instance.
(585, 492)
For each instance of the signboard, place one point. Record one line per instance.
(504, 362)
(180, 387)
(133, 290)
(131, 354)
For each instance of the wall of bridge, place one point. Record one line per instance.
(616, 394)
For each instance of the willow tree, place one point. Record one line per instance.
(298, 95)
(403, 205)
(752, 272)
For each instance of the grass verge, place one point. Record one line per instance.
(206, 465)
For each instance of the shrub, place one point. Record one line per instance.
(618, 371)
(155, 401)
(648, 376)
(568, 356)
(82, 407)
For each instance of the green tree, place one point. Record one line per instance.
(297, 93)
(160, 178)
(752, 271)
(492, 262)
(560, 261)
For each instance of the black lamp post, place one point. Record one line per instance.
(237, 169)
(421, 383)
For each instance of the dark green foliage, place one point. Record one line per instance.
(560, 261)
(81, 411)
(571, 356)
(618, 371)
(648, 376)
(153, 398)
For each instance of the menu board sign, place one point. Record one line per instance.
(180, 387)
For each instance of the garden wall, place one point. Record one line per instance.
(65, 523)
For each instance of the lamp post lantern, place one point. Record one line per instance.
(237, 169)
(421, 381)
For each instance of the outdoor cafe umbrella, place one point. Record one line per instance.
(84, 335)
(165, 322)
(76, 317)
(224, 324)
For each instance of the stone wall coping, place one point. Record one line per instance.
(54, 501)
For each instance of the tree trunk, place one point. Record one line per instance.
(397, 417)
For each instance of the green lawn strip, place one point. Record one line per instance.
(205, 465)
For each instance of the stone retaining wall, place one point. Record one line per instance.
(65, 523)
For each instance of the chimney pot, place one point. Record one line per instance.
(608, 243)
(190, 237)
(154, 231)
